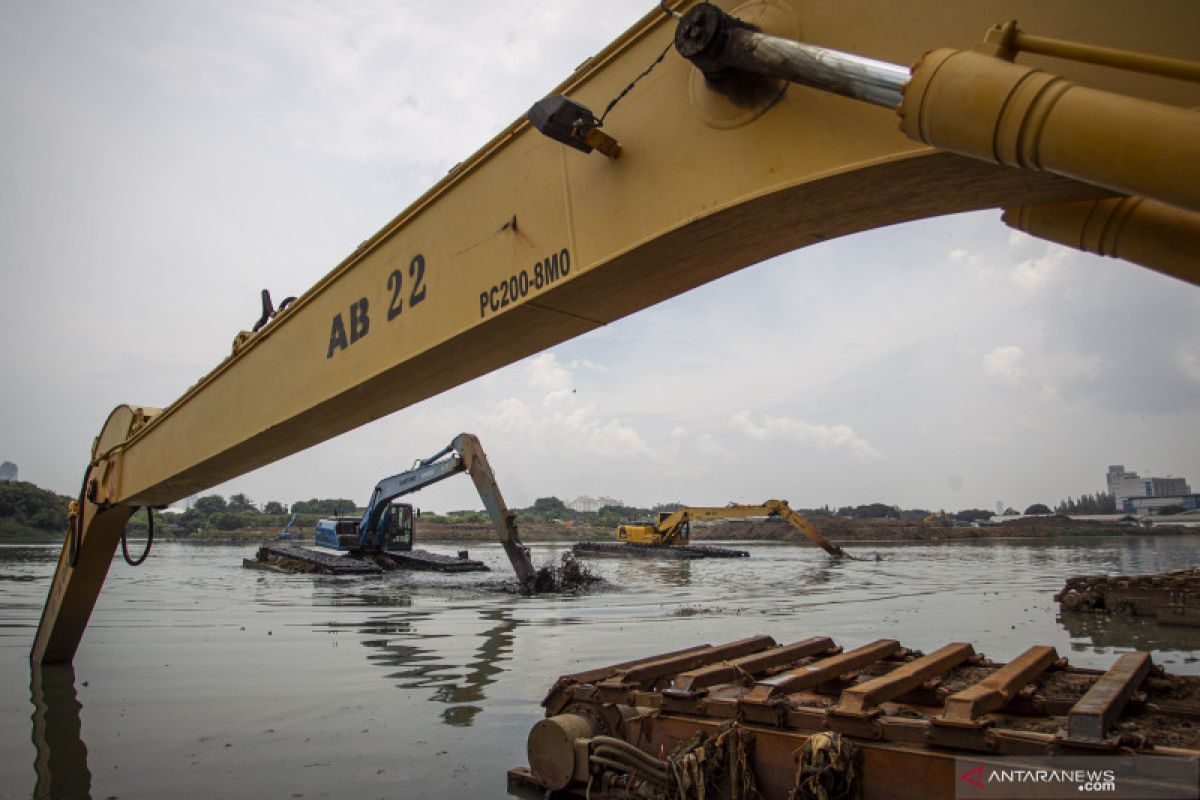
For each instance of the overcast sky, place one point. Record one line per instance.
(160, 163)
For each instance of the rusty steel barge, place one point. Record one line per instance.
(752, 718)
(1171, 598)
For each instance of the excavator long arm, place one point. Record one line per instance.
(463, 454)
(669, 527)
(530, 242)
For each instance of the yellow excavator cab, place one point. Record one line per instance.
(652, 533)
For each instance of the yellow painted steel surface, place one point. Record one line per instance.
(529, 243)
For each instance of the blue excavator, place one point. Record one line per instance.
(382, 539)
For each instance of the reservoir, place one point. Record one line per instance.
(198, 678)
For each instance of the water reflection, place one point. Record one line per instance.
(340, 592)
(1098, 629)
(423, 668)
(816, 575)
(665, 573)
(61, 762)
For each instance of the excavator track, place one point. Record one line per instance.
(898, 723)
(301, 559)
(1172, 598)
(680, 552)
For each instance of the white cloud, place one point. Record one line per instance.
(546, 374)
(1005, 362)
(510, 415)
(709, 446)
(820, 437)
(1189, 359)
(1032, 273)
(961, 256)
(562, 424)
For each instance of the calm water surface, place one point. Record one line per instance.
(198, 678)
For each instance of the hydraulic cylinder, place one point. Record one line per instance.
(1006, 113)
(1164, 238)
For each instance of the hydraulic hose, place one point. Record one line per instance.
(149, 541)
(75, 527)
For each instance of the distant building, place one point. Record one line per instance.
(1155, 505)
(585, 503)
(8, 471)
(999, 507)
(1135, 494)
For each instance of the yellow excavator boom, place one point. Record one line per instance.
(530, 242)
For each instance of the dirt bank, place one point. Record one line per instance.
(837, 529)
(885, 530)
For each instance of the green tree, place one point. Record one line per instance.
(210, 504)
(549, 505)
(973, 515)
(240, 502)
(274, 507)
(190, 521)
(23, 505)
(1038, 508)
(228, 520)
(328, 507)
(871, 511)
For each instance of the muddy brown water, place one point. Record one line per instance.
(198, 678)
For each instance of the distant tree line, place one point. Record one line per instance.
(239, 512)
(25, 508)
(1099, 503)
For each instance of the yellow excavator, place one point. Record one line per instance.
(674, 527)
(938, 519)
(670, 535)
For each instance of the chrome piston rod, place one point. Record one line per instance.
(720, 45)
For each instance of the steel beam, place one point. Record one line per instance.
(753, 665)
(647, 672)
(1099, 709)
(821, 671)
(1001, 686)
(859, 699)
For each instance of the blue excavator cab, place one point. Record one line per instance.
(396, 530)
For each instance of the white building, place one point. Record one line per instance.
(1128, 490)
(8, 471)
(586, 503)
